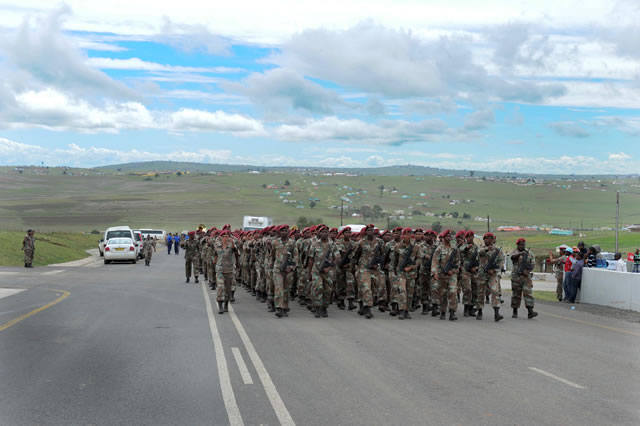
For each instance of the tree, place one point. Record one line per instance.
(366, 211)
(304, 222)
(157, 175)
(416, 213)
(436, 226)
(394, 224)
(466, 216)
(381, 188)
(264, 185)
(454, 215)
(287, 183)
(179, 174)
(471, 173)
(312, 204)
(377, 211)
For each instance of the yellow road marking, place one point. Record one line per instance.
(619, 330)
(35, 311)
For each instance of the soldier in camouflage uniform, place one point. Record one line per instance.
(469, 274)
(308, 289)
(446, 281)
(191, 256)
(425, 253)
(147, 249)
(558, 266)
(225, 259)
(345, 282)
(523, 265)
(203, 241)
(402, 266)
(301, 247)
(369, 256)
(284, 255)
(268, 269)
(29, 248)
(210, 265)
(386, 269)
(321, 258)
(491, 259)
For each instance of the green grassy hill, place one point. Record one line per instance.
(51, 248)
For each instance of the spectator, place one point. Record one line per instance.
(591, 261)
(581, 248)
(636, 261)
(576, 277)
(617, 264)
(568, 265)
(600, 260)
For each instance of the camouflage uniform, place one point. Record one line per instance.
(301, 247)
(308, 291)
(388, 274)
(203, 256)
(366, 275)
(345, 282)
(210, 265)
(468, 279)
(423, 285)
(488, 282)
(447, 286)
(268, 269)
(522, 283)
(191, 257)
(403, 282)
(29, 249)
(282, 278)
(559, 265)
(321, 284)
(147, 250)
(225, 258)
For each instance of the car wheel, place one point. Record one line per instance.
(106, 262)
(134, 261)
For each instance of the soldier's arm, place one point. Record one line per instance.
(434, 262)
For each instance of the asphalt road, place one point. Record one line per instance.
(129, 344)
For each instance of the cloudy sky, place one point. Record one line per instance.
(545, 86)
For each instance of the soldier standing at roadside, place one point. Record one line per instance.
(147, 249)
(468, 274)
(523, 265)
(558, 265)
(491, 259)
(29, 248)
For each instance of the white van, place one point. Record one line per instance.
(158, 234)
(120, 232)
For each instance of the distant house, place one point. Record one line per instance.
(634, 228)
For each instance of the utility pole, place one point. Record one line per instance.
(341, 209)
(388, 223)
(617, 217)
(488, 224)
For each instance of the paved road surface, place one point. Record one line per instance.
(129, 344)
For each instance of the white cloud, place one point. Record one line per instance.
(620, 156)
(218, 121)
(569, 129)
(139, 64)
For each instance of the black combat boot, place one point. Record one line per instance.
(187, 280)
(406, 314)
(532, 313)
(233, 296)
(318, 313)
(324, 312)
(382, 307)
(303, 301)
(472, 311)
(197, 280)
(351, 306)
(466, 311)
(479, 314)
(206, 278)
(367, 312)
(496, 315)
(226, 306)
(452, 315)
(434, 310)
(309, 302)
(361, 310)
(279, 312)
(220, 308)
(394, 309)
(425, 309)
(285, 312)
(515, 313)
(26, 265)
(341, 305)
(211, 287)
(263, 299)
(443, 315)
(272, 307)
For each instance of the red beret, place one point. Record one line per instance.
(407, 231)
(470, 233)
(321, 227)
(521, 240)
(419, 230)
(362, 231)
(333, 230)
(192, 233)
(460, 234)
(397, 229)
(371, 225)
(445, 233)
(489, 234)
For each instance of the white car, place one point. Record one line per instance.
(120, 249)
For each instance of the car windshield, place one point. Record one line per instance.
(119, 241)
(118, 234)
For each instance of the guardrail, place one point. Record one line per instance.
(609, 288)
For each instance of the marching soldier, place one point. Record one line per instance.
(402, 267)
(468, 274)
(523, 265)
(345, 283)
(425, 254)
(284, 262)
(369, 257)
(444, 266)
(321, 258)
(225, 259)
(491, 260)
(191, 256)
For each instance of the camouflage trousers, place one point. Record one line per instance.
(211, 271)
(423, 288)
(367, 283)
(252, 278)
(559, 281)
(469, 284)
(381, 289)
(403, 287)
(270, 285)
(303, 283)
(224, 281)
(282, 284)
(446, 292)
(321, 288)
(202, 264)
(345, 284)
(191, 263)
(308, 291)
(491, 284)
(521, 284)
(261, 279)
(28, 256)
(148, 254)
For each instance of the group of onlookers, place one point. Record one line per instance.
(173, 240)
(571, 262)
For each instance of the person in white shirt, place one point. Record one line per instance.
(617, 264)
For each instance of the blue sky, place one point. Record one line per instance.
(553, 88)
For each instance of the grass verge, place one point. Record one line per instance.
(55, 247)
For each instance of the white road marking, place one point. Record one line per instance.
(8, 273)
(553, 376)
(244, 371)
(223, 372)
(53, 272)
(270, 389)
(6, 292)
